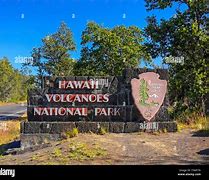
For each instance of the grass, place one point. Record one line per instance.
(34, 157)
(9, 131)
(156, 133)
(4, 103)
(197, 123)
(57, 152)
(164, 130)
(81, 151)
(73, 133)
(102, 131)
(9, 103)
(49, 163)
(24, 117)
(75, 150)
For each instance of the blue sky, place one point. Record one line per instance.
(25, 22)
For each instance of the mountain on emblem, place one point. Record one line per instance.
(148, 93)
(153, 95)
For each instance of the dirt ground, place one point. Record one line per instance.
(186, 147)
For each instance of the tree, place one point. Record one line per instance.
(183, 35)
(13, 86)
(56, 49)
(6, 82)
(143, 93)
(108, 51)
(53, 57)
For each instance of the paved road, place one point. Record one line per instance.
(12, 111)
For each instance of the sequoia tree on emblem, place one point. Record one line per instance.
(148, 93)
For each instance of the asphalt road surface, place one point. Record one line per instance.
(12, 111)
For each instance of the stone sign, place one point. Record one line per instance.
(119, 104)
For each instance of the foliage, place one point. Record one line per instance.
(193, 121)
(53, 57)
(102, 131)
(9, 132)
(143, 92)
(57, 152)
(108, 51)
(13, 84)
(81, 151)
(73, 133)
(55, 50)
(164, 130)
(183, 35)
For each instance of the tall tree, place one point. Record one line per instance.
(56, 49)
(108, 51)
(183, 35)
(6, 79)
(13, 86)
(53, 57)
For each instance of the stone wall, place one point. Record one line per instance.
(43, 129)
(36, 133)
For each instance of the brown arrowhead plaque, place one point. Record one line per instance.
(148, 93)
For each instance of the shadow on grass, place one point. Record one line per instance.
(201, 133)
(204, 152)
(11, 145)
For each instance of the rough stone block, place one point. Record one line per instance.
(46, 127)
(105, 125)
(169, 126)
(32, 127)
(57, 128)
(162, 114)
(132, 127)
(85, 127)
(122, 98)
(117, 127)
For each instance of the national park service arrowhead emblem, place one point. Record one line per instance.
(148, 93)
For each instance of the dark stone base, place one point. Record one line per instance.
(37, 133)
(85, 127)
(37, 139)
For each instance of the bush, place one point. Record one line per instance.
(57, 152)
(72, 133)
(194, 121)
(164, 130)
(102, 131)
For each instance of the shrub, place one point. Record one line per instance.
(102, 131)
(194, 121)
(72, 133)
(57, 152)
(164, 130)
